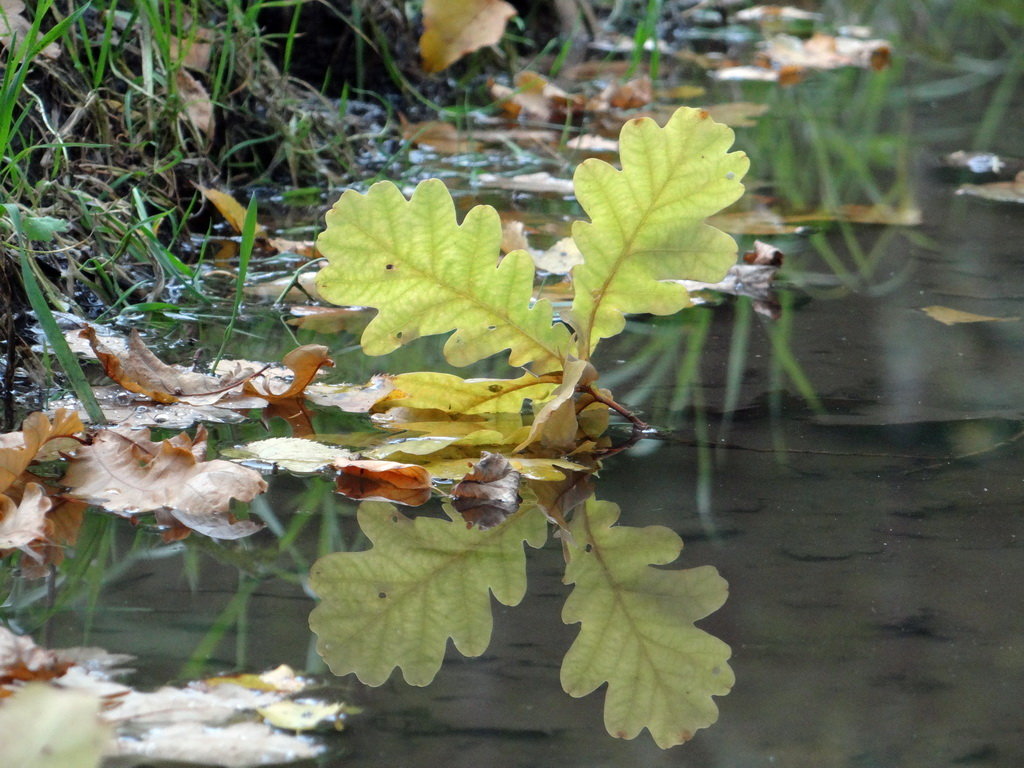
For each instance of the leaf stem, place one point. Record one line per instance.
(640, 427)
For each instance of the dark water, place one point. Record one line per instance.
(853, 469)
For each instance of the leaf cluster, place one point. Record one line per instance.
(426, 273)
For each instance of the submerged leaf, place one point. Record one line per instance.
(647, 221)
(424, 580)
(426, 274)
(950, 316)
(637, 628)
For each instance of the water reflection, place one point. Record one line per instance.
(428, 579)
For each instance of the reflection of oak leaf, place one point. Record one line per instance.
(637, 630)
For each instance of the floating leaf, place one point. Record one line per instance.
(303, 363)
(36, 440)
(452, 394)
(139, 370)
(489, 492)
(949, 316)
(47, 727)
(424, 580)
(304, 715)
(376, 480)
(637, 628)
(647, 221)
(426, 274)
(1000, 191)
(292, 453)
(130, 475)
(453, 28)
(232, 210)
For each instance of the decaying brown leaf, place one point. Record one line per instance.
(453, 28)
(15, 27)
(196, 105)
(489, 493)
(143, 372)
(130, 474)
(1000, 191)
(407, 484)
(38, 439)
(303, 364)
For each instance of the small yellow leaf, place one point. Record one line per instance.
(303, 715)
(453, 28)
(232, 211)
(948, 316)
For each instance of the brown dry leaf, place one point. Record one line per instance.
(38, 439)
(143, 372)
(513, 236)
(949, 316)
(1000, 191)
(304, 364)
(305, 248)
(823, 51)
(193, 52)
(25, 522)
(453, 28)
(21, 660)
(330, 319)
(489, 493)
(232, 210)
(631, 94)
(60, 530)
(15, 27)
(129, 475)
(555, 423)
(534, 97)
(196, 103)
(407, 484)
(439, 136)
(764, 254)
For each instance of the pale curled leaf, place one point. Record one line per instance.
(427, 274)
(424, 581)
(637, 630)
(647, 221)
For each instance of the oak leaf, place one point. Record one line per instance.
(24, 522)
(427, 274)
(453, 28)
(489, 493)
(139, 370)
(38, 439)
(129, 475)
(647, 221)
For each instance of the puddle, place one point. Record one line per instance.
(851, 467)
